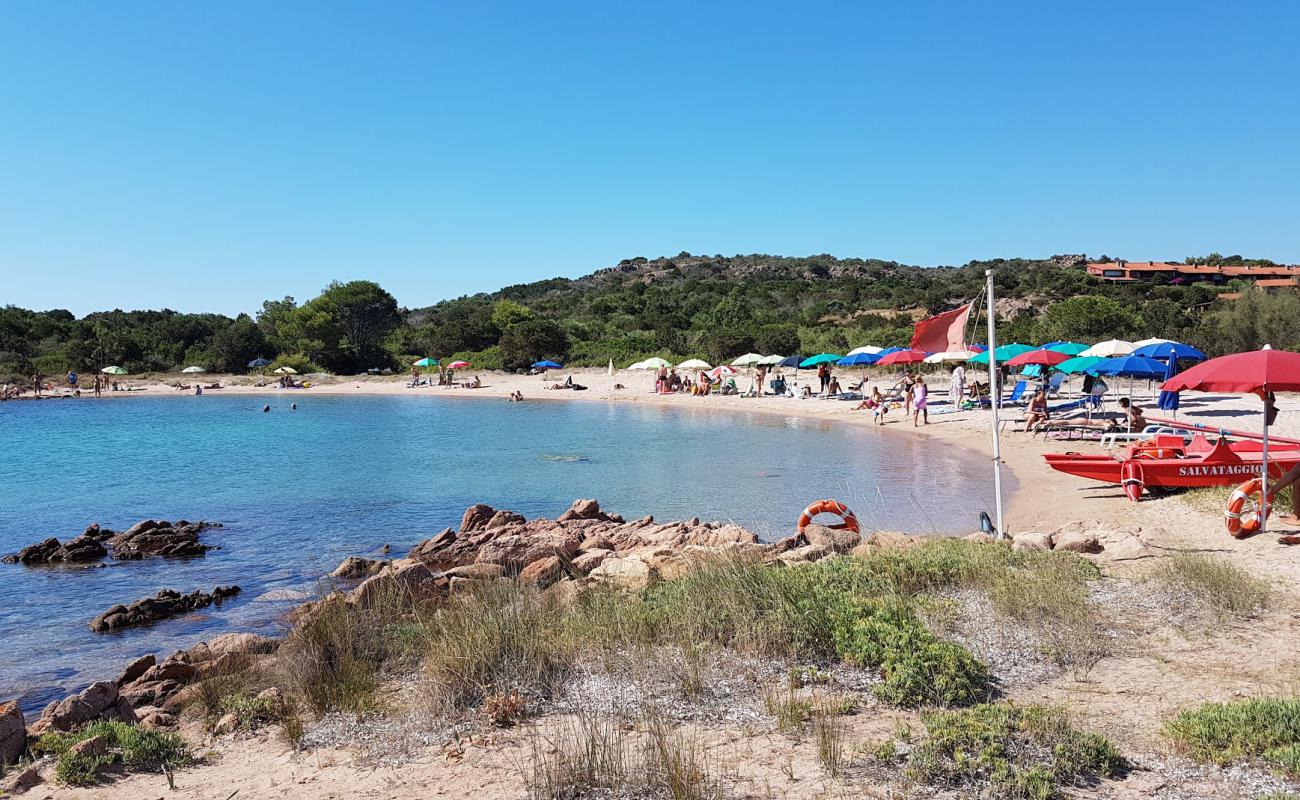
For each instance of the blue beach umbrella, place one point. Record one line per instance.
(1129, 366)
(858, 360)
(820, 358)
(258, 362)
(792, 361)
(547, 365)
(1163, 350)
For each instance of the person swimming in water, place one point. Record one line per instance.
(266, 409)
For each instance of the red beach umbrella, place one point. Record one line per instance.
(903, 357)
(1043, 358)
(1254, 372)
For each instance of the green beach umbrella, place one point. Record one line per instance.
(426, 362)
(1069, 348)
(820, 358)
(1078, 364)
(1004, 353)
(113, 371)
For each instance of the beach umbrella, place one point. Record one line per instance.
(1069, 348)
(459, 365)
(902, 357)
(747, 360)
(113, 371)
(820, 358)
(723, 371)
(792, 361)
(977, 348)
(192, 370)
(1078, 364)
(285, 371)
(637, 365)
(426, 362)
(1163, 350)
(1254, 372)
(1042, 358)
(1145, 342)
(858, 360)
(866, 349)
(1109, 349)
(258, 362)
(1005, 353)
(547, 365)
(1128, 366)
(1167, 401)
(654, 362)
(770, 361)
(949, 356)
(695, 363)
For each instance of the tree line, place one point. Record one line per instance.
(712, 307)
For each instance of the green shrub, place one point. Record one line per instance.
(1007, 751)
(1221, 733)
(139, 750)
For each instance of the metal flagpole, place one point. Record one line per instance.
(995, 393)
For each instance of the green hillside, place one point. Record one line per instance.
(713, 307)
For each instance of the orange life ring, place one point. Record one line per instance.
(1132, 479)
(1244, 521)
(850, 522)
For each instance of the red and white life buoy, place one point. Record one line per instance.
(1243, 515)
(850, 522)
(1133, 479)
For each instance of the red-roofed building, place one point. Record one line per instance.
(1166, 272)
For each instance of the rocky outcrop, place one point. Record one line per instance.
(13, 733)
(161, 538)
(94, 544)
(1087, 537)
(164, 605)
(353, 568)
(100, 700)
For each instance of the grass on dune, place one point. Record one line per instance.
(502, 637)
(1267, 728)
(137, 750)
(1226, 588)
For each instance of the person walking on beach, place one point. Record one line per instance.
(907, 383)
(920, 401)
(761, 379)
(957, 390)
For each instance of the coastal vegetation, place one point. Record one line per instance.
(1266, 728)
(713, 307)
(85, 756)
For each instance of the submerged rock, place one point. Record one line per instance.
(167, 603)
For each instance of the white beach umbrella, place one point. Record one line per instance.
(949, 356)
(1109, 349)
(770, 361)
(694, 363)
(747, 360)
(193, 370)
(637, 365)
(285, 371)
(866, 349)
(1146, 342)
(653, 362)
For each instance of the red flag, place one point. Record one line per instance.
(942, 332)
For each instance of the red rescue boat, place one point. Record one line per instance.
(1168, 461)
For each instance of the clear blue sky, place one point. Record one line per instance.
(207, 156)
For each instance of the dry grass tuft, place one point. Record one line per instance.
(1226, 588)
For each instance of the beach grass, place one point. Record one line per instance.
(1007, 751)
(1229, 590)
(1051, 599)
(1266, 728)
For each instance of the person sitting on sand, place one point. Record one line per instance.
(833, 388)
(1134, 420)
(1036, 413)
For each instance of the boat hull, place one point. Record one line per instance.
(1212, 469)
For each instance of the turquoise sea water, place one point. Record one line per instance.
(299, 491)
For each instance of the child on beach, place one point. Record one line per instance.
(920, 396)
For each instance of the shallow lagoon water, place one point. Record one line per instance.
(299, 491)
